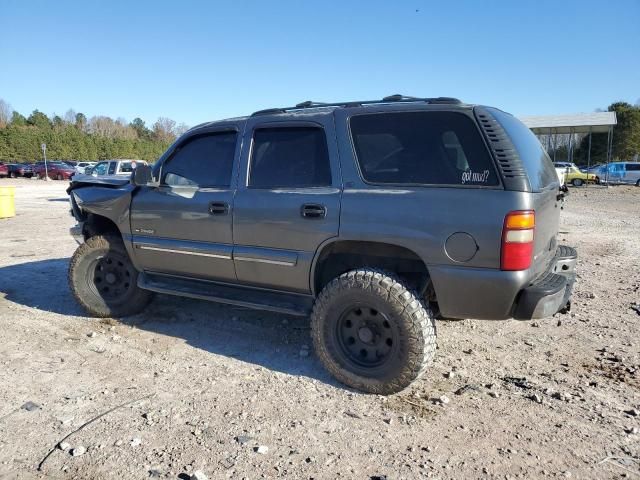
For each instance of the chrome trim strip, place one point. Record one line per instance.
(264, 260)
(197, 254)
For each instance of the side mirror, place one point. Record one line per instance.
(142, 175)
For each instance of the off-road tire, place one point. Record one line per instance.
(412, 322)
(577, 182)
(83, 277)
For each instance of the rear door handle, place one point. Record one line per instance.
(313, 210)
(218, 208)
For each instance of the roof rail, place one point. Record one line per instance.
(396, 98)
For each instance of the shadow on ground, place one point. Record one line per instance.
(271, 340)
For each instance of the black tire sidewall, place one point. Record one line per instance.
(412, 321)
(346, 299)
(81, 271)
(577, 182)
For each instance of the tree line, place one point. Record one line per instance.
(73, 136)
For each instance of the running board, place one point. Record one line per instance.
(290, 304)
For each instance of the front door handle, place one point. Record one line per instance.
(218, 208)
(313, 210)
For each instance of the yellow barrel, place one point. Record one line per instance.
(7, 203)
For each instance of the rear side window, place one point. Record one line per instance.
(535, 159)
(633, 167)
(421, 148)
(291, 157)
(204, 161)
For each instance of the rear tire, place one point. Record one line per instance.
(373, 333)
(577, 182)
(103, 279)
(59, 177)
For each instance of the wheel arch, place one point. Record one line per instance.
(337, 256)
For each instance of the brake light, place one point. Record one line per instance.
(517, 240)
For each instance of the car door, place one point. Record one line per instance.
(183, 226)
(287, 202)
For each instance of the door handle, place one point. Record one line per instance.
(218, 208)
(313, 210)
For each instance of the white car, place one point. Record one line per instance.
(115, 167)
(81, 166)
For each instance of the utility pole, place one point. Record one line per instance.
(44, 154)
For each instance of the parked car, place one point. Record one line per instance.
(620, 172)
(4, 170)
(20, 170)
(373, 217)
(56, 170)
(81, 167)
(71, 163)
(574, 176)
(114, 167)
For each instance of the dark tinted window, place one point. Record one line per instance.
(535, 160)
(112, 168)
(289, 157)
(633, 167)
(204, 161)
(433, 148)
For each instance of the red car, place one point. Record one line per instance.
(4, 170)
(55, 170)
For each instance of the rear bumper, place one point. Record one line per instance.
(551, 292)
(491, 294)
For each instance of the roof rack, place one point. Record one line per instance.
(397, 98)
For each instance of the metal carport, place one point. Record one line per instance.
(580, 123)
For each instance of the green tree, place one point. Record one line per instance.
(39, 119)
(18, 119)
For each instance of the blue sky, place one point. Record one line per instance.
(195, 61)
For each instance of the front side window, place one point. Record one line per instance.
(112, 168)
(203, 161)
(289, 157)
(421, 148)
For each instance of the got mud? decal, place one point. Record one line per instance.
(475, 177)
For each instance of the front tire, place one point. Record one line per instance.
(103, 279)
(577, 182)
(372, 332)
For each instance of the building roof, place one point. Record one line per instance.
(575, 123)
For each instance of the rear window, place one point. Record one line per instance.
(421, 148)
(535, 159)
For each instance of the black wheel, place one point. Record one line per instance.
(638, 183)
(371, 332)
(12, 175)
(103, 279)
(577, 182)
(59, 177)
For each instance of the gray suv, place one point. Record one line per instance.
(373, 217)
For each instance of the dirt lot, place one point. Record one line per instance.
(551, 398)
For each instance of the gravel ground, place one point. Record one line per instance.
(234, 393)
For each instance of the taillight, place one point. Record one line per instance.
(517, 240)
